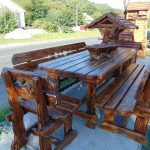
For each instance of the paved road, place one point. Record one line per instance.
(6, 52)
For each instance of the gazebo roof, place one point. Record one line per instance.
(138, 6)
(112, 20)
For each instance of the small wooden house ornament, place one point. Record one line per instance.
(111, 25)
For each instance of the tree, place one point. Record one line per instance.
(8, 21)
(37, 10)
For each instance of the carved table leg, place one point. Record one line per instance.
(57, 80)
(91, 90)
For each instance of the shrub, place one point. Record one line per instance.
(8, 21)
(36, 10)
(66, 29)
(41, 23)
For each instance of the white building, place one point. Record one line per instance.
(13, 7)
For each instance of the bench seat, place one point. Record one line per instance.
(125, 96)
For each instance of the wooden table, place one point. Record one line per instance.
(93, 72)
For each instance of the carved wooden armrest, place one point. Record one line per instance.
(52, 98)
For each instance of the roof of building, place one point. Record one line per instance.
(134, 6)
(112, 19)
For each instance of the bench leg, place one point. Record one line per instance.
(109, 116)
(45, 143)
(68, 125)
(141, 125)
(69, 134)
(91, 90)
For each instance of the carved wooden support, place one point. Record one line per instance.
(20, 138)
(91, 90)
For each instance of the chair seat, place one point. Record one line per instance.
(55, 113)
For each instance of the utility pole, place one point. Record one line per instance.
(76, 15)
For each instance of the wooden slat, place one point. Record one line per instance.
(111, 65)
(106, 95)
(119, 95)
(31, 106)
(134, 135)
(60, 68)
(129, 102)
(98, 64)
(71, 70)
(62, 60)
(84, 66)
(37, 54)
(66, 57)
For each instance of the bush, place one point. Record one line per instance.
(36, 10)
(41, 23)
(8, 21)
(66, 29)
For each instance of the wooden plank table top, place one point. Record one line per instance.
(93, 72)
(79, 65)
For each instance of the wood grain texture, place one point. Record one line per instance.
(30, 92)
(43, 53)
(131, 98)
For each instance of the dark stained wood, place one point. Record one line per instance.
(116, 98)
(111, 65)
(30, 92)
(86, 68)
(129, 102)
(81, 68)
(43, 53)
(114, 128)
(127, 95)
(106, 95)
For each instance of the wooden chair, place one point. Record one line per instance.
(29, 92)
(128, 94)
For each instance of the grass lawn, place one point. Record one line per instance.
(3, 111)
(52, 36)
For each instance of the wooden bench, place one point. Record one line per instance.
(128, 94)
(30, 60)
(35, 93)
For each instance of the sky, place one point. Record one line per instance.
(115, 3)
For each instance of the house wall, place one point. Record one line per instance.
(15, 9)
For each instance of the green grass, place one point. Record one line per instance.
(51, 36)
(3, 112)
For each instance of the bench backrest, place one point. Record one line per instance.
(30, 60)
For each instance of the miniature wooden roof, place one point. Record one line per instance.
(138, 6)
(112, 20)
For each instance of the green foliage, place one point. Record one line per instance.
(42, 23)
(3, 112)
(60, 14)
(66, 29)
(37, 10)
(8, 21)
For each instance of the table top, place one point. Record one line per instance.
(79, 65)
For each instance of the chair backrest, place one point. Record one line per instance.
(30, 60)
(30, 87)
